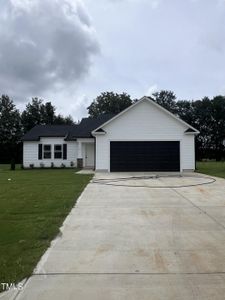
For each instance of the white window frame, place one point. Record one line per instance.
(47, 151)
(58, 151)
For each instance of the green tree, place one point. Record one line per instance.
(166, 99)
(10, 125)
(10, 128)
(60, 120)
(48, 113)
(218, 125)
(39, 113)
(185, 111)
(202, 115)
(109, 102)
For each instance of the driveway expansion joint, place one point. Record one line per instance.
(200, 209)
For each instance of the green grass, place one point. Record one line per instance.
(212, 168)
(33, 205)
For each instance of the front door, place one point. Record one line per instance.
(89, 155)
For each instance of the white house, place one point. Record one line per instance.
(143, 137)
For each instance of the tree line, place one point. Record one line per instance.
(14, 124)
(206, 114)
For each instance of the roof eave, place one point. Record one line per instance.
(30, 140)
(94, 133)
(192, 133)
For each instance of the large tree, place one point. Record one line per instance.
(166, 99)
(202, 116)
(10, 125)
(10, 130)
(39, 113)
(208, 116)
(109, 102)
(184, 111)
(60, 120)
(218, 125)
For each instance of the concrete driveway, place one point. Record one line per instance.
(138, 239)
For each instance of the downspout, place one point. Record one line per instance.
(195, 155)
(94, 153)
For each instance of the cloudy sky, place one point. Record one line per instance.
(69, 51)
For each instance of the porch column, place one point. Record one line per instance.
(79, 156)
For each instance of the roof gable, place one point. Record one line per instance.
(159, 107)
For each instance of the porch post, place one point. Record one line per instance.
(79, 156)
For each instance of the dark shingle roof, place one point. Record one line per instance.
(70, 132)
(87, 125)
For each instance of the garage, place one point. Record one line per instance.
(138, 156)
(145, 137)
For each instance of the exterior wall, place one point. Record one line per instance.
(145, 122)
(188, 152)
(30, 153)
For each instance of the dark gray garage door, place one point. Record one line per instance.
(144, 156)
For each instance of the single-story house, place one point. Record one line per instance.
(143, 137)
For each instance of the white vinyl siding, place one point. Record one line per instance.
(145, 122)
(188, 152)
(30, 153)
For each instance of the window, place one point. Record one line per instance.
(58, 151)
(47, 151)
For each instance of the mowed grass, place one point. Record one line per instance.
(212, 168)
(33, 206)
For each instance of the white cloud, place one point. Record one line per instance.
(44, 46)
(153, 3)
(151, 90)
(221, 2)
(47, 48)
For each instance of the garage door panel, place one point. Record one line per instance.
(145, 156)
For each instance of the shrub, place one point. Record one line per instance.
(31, 166)
(72, 164)
(13, 164)
(63, 166)
(52, 165)
(42, 165)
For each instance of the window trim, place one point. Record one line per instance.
(58, 151)
(47, 151)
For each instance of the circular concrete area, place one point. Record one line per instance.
(155, 181)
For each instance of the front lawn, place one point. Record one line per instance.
(33, 205)
(212, 168)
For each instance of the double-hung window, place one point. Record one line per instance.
(47, 152)
(58, 151)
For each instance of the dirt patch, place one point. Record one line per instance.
(200, 189)
(103, 248)
(159, 261)
(142, 253)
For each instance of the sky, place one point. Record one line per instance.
(70, 51)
